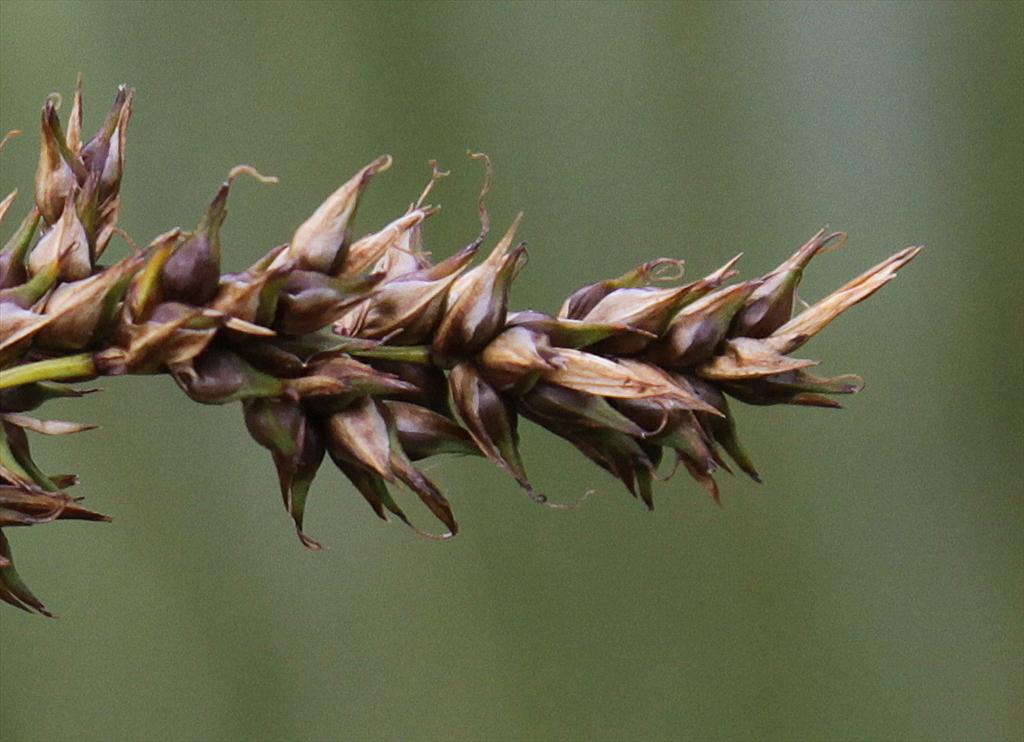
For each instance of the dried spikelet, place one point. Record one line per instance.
(369, 352)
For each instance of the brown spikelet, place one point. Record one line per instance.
(367, 351)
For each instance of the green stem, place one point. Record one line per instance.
(80, 366)
(407, 353)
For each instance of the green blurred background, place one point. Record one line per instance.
(872, 589)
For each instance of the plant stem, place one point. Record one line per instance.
(53, 369)
(406, 353)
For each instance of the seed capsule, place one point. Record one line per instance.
(405, 310)
(585, 299)
(55, 178)
(310, 301)
(66, 244)
(572, 333)
(319, 244)
(83, 310)
(700, 327)
(220, 376)
(366, 252)
(364, 436)
(813, 320)
(771, 304)
(191, 274)
(297, 447)
(570, 409)
(798, 387)
(516, 359)
(721, 427)
(478, 301)
(490, 420)
(424, 433)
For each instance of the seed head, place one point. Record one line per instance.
(370, 351)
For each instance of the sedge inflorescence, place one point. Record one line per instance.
(367, 352)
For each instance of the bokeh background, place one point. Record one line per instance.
(872, 589)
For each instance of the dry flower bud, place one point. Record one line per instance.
(813, 320)
(55, 178)
(771, 304)
(676, 427)
(722, 427)
(406, 310)
(192, 273)
(516, 359)
(798, 387)
(175, 333)
(366, 436)
(66, 242)
(359, 435)
(296, 445)
(94, 153)
(270, 357)
(749, 358)
(357, 378)
(16, 463)
(12, 589)
(618, 454)
(584, 300)
(310, 456)
(490, 420)
(569, 409)
(573, 333)
(423, 433)
(426, 385)
(372, 487)
(648, 309)
(109, 191)
(113, 164)
(700, 327)
(622, 379)
(426, 490)
(25, 506)
(319, 243)
(405, 255)
(28, 293)
(83, 309)
(478, 301)
(220, 376)
(310, 301)
(17, 329)
(46, 427)
(74, 133)
(374, 490)
(251, 296)
(369, 250)
(144, 294)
